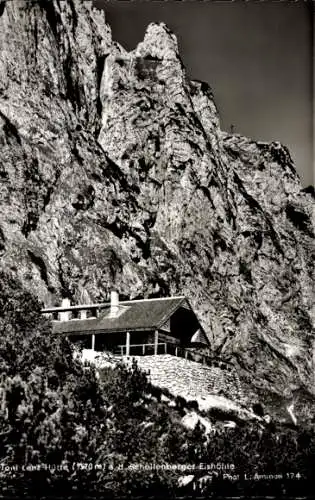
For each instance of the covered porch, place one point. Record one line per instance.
(146, 343)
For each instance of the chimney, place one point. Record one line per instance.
(64, 315)
(114, 303)
(83, 314)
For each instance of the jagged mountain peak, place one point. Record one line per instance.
(114, 172)
(159, 42)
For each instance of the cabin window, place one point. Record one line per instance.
(75, 314)
(92, 313)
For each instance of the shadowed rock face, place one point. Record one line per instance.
(114, 172)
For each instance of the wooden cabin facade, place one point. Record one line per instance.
(131, 328)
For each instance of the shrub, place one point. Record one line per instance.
(258, 409)
(192, 405)
(55, 411)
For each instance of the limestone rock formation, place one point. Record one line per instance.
(114, 171)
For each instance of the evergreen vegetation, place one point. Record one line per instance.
(67, 430)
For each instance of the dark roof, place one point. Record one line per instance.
(133, 315)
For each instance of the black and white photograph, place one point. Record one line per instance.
(157, 223)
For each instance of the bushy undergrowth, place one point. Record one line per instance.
(67, 431)
(85, 434)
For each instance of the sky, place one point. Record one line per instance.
(256, 56)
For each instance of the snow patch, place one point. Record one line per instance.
(190, 420)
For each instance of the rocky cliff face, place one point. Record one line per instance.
(115, 172)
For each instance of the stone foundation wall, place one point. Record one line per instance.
(189, 378)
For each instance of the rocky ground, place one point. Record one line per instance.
(114, 172)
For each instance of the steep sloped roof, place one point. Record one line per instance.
(147, 314)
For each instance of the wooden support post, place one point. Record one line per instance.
(127, 343)
(165, 348)
(93, 342)
(186, 353)
(156, 340)
(176, 351)
(143, 349)
(121, 350)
